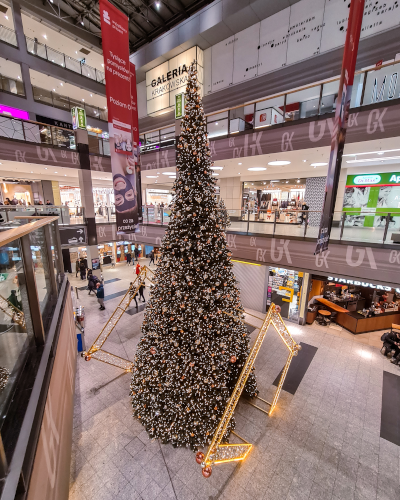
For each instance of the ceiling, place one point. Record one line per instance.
(148, 19)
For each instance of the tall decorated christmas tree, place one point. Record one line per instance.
(191, 353)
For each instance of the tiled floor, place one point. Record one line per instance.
(323, 442)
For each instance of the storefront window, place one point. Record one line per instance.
(284, 289)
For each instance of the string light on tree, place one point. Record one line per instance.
(191, 353)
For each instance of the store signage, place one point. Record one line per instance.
(14, 112)
(115, 41)
(384, 179)
(168, 79)
(340, 122)
(179, 105)
(54, 123)
(364, 284)
(76, 236)
(78, 118)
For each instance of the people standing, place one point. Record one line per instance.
(77, 267)
(112, 261)
(141, 290)
(100, 295)
(82, 269)
(129, 258)
(137, 269)
(151, 257)
(136, 253)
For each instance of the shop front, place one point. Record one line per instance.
(159, 197)
(279, 200)
(286, 288)
(105, 252)
(355, 305)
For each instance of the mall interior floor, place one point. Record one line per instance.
(323, 441)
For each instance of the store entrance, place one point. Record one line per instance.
(284, 289)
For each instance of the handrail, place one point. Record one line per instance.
(17, 232)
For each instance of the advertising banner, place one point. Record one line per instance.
(115, 39)
(78, 118)
(136, 139)
(341, 121)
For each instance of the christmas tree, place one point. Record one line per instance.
(191, 353)
(223, 213)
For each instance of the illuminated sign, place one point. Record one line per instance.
(367, 179)
(362, 283)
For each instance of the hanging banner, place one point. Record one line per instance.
(115, 40)
(341, 119)
(135, 138)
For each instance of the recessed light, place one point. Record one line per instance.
(279, 162)
(56, 172)
(304, 161)
(83, 100)
(287, 182)
(172, 177)
(91, 95)
(257, 169)
(31, 172)
(298, 180)
(215, 173)
(238, 173)
(45, 36)
(217, 168)
(45, 168)
(169, 173)
(54, 90)
(318, 164)
(152, 176)
(61, 83)
(216, 123)
(239, 163)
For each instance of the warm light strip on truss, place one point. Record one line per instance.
(374, 159)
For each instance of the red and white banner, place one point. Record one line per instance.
(115, 38)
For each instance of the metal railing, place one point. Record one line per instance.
(45, 52)
(300, 103)
(357, 226)
(8, 35)
(66, 215)
(66, 103)
(11, 85)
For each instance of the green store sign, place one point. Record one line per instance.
(78, 118)
(386, 179)
(179, 105)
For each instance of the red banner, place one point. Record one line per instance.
(341, 119)
(115, 37)
(135, 119)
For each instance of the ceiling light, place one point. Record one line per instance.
(374, 159)
(61, 83)
(56, 172)
(83, 100)
(217, 168)
(215, 173)
(91, 95)
(279, 162)
(31, 172)
(45, 168)
(172, 177)
(318, 164)
(158, 5)
(152, 176)
(238, 173)
(239, 163)
(216, 123)
(298, 180)
(45, 36)
(287, 182)
(169, 173)
(275, 181)
(304, 161)
(374, 152)
(6, 17)
(257, 169)
(102, 65)
(76, 51)
(54, 90)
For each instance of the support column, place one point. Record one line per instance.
(231, 192)
(86, 187)
(26, 78)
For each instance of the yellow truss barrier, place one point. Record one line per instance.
(96, 351)
(219, 453)
(15, 314)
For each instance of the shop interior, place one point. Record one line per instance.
(285, 197)
(284, 289)
(357, 306)
(159, 196)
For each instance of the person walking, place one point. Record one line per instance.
(77, 267)
(100, 295)
(141, 290)
(137, 269)
(82, 269)
(133, 295)
(112, 261)
(129, 258)
(151, 257)
(137, 254)
(92, 283)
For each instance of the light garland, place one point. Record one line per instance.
(190, 353)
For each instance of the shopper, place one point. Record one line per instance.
(137, 269)
(77, 267)
(141, 289)
(48, 202)
(100, 295)
(136, 253)
(129, 258)
(82, 269)
(151, 257)
(391, 343)
(92, 283)
(133, 294)
(112, 261)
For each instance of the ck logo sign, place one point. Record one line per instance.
(101, 231)
(277, 252)
(231, 240)
(362, 253)
(321, 259)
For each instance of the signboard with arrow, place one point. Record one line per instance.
(73, 236)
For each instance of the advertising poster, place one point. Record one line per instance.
(341, 119)
(115, 39)
(136, 140)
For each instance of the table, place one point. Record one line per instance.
(324, 312)
(331, 305)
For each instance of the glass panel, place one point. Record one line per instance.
(217, 116)
(55, 57)
(302, 104)
(100, 75)
(357, 90)
(329, 95)
(382, 85)
(62, 137)
(72, 64)
(152, 137)
(241, 119)
(217, 128)
(11, 128)
(8, 36)
(60, 101)
(41, 268)
(103, 114)
(269, 112)
(42, 95)
(89, 72)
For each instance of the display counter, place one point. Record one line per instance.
(357, 323)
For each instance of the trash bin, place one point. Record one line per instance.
(79, 313)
